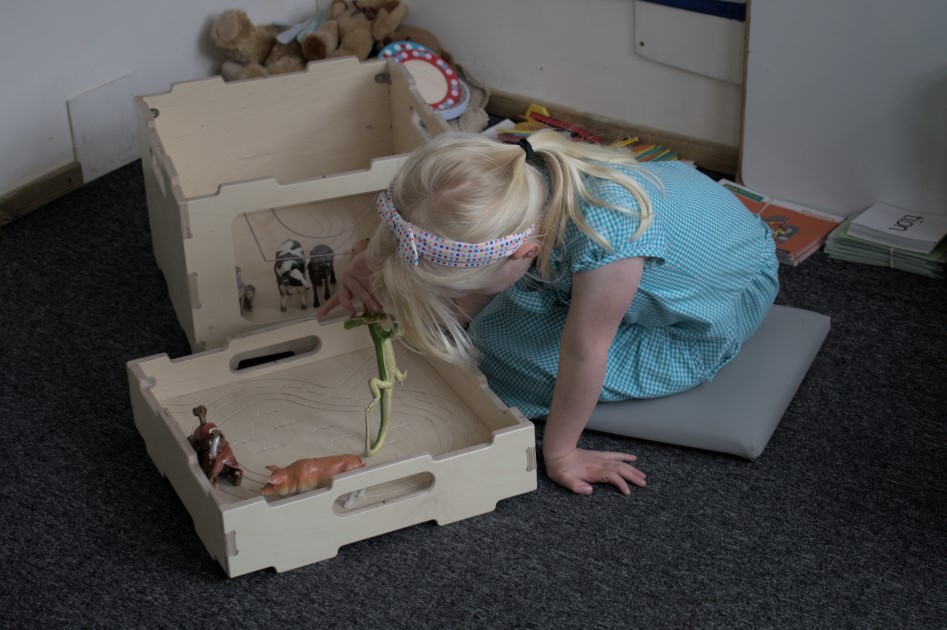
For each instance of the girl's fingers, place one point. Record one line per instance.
(345, 299)
(623, 475)
(635, 476)
(329, 304)
(621, 484)
(578, 486)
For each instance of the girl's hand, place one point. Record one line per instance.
(355, 282)
(580, 468)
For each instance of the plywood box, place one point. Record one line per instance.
(453, 450)
(233, 169)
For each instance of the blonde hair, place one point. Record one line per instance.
(469, 188)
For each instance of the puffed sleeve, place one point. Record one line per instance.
(617, 228)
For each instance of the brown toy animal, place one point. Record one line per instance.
(214, 454)
(353, 29)
(253, 50)
(321, 270)
(308, 474)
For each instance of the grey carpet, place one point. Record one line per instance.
(842, 523)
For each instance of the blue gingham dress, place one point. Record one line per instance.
(710, 277)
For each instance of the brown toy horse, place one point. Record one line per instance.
(214, 454)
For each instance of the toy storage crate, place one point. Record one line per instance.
(453, 450)
(233, 169)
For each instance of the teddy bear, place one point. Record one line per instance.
(353, 29)
(387, 16)
(253, 50)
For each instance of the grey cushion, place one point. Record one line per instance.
(739, 409)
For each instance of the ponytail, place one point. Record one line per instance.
(569, 165)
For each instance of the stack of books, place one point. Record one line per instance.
(798, 231)
(888, 236)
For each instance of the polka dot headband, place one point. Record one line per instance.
(415, 243)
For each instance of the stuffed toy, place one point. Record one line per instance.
(387, 17)
(353, 29)
(253, 50)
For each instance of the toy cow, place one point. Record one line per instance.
(308, 474)
(290, 269)
(246, 293)
(214, 454)
(321, 270)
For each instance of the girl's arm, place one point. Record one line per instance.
(600, 299)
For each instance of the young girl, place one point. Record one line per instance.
(570, 274)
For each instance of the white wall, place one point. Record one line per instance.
(840, 127)
(56, 49)
(581, 54)
(574, 53)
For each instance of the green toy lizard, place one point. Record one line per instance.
(388, 373)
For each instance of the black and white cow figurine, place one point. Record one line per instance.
(290, 268)
(321, 270)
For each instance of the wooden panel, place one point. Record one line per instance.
(104, 130)
(453, 449)
(233, 169)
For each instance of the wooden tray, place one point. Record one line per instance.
(454, 449)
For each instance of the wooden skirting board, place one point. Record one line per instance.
(39, 192)
(709, 155)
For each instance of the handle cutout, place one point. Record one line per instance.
(383, 493)
(275, 353)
